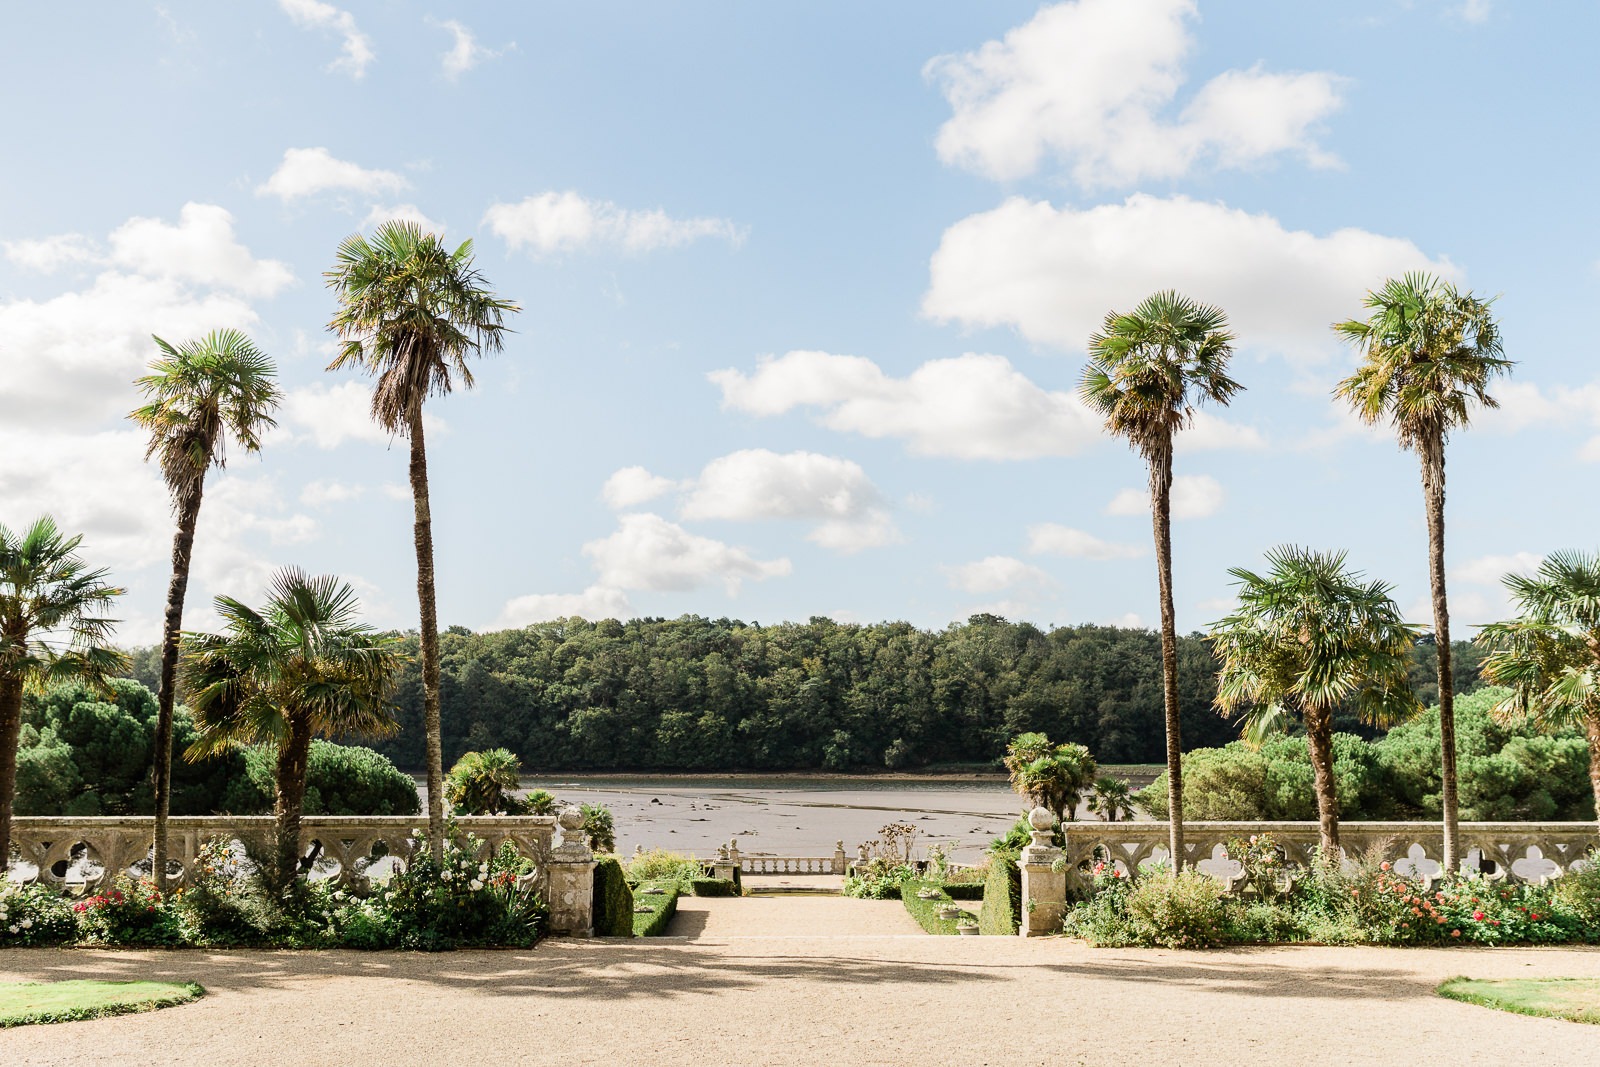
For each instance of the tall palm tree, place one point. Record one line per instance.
(200, 393)
(1147, 371)
(299, 667)
(1550, 654)
(1306, 637)
(1428, 354)
(410, 314)
(51, 628)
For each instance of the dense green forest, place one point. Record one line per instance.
(695, 694)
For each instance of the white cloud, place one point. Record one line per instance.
(1524, 405)
(1209, 432)
(1490, 570)
(356, 53)
(308, 171)
(465, 52)
(1475, 11)
(567, 222)
(201, 248)
(994, 573)
(970, 407)
(648, 552)
(1194, 496)
(404, 213)
(46, 255)
(632, 486)
(1053, 539)
(595, 602)
(328, 415)
(1129, 621)
(1053, 273)
(1092, 85)
(759, 484)
(322, 492)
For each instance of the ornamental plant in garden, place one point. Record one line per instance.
(34, 915)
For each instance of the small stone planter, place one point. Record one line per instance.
(968, 930)
(950, 911)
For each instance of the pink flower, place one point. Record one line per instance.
(1455, 933)
(1384, 866)
(1478, 916)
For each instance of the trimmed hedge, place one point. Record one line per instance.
(1002, 897)
(963, 890)
(713, 887)
(926, 912)
(613, 900)
(663, 906)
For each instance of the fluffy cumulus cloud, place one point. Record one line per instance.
(355, 53)
(632, 486)
(595, 602)
(201, 249)
(1053, 273)
(328, 415)
(1093, 85)
(382, 213)
(969, 407)
(995, 573)
(1194, 496)
(567, 222)
(309, 171)
(758, 484)
(46, 255)
(1526, 404)
(1053, 539)
(1491, 570)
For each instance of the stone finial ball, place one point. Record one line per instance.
(1041, 818)
(570, 820)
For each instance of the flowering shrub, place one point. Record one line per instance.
(34, 915)
(218, 904)
(129, 913)
(880, 879)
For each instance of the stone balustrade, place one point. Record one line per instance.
(88, 851)
(1520, 851)
(729, 857)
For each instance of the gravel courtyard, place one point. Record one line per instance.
(808, 980)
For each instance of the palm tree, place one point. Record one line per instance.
(1307, 637)
(1550, 654)
(484, 783)
(1147, 371)
(51, 628)
(1048, 775)
(298, 668)
(410, 314)
(1112, 799)
(200, 393)
(1428, 354)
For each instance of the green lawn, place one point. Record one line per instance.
(58, 1002)
(1575, 999)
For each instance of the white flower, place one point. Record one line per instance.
(483, 868)
(26, 923)
(444, 875)
(475, 885)
(12, 928)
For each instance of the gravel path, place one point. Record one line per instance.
(727, 996)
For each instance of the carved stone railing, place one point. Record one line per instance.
(729, 857)
(1525, 851)
(89, 851)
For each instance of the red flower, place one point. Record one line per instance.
(1478, 915)
(1534, 916)
(1455, 933)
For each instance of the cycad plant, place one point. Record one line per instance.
(484, 783)
(411, 314)
(200, 393)
(1549, 655)
(1428, 355)
(1307, 637)
(299, 667)
(1148, 371)
(52, 627)
(1112, 799)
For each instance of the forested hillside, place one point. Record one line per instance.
(696, 694)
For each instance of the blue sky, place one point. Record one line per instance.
(805, 291)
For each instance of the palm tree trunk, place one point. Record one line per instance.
(1591, 723)
(1319, 740)
(166, 697)
(293, 760)
(1432, 455)
(10, 734)
(1161, 518)
(422, 534)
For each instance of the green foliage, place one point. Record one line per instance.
(340, 780)
(539, 802)
(662, 900)
(613, 900)
(1579, 892)
(217, 904)
(599, 827)
(1574, 999)
(34, 915)
(1001, 913)
(1507, 772)
(881, 879)
(484, 783)
(128, 913)
(1051, 776)
(713, 887)
(659, 864)
(27, 1003)
(925, 910)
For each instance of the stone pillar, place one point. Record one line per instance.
(840, 862)
(724, 866)
(1044, 891)
(572, 879)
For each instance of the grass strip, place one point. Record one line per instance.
(1574, 999)
(663, 906)
(926, 912)
(24, 1003)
